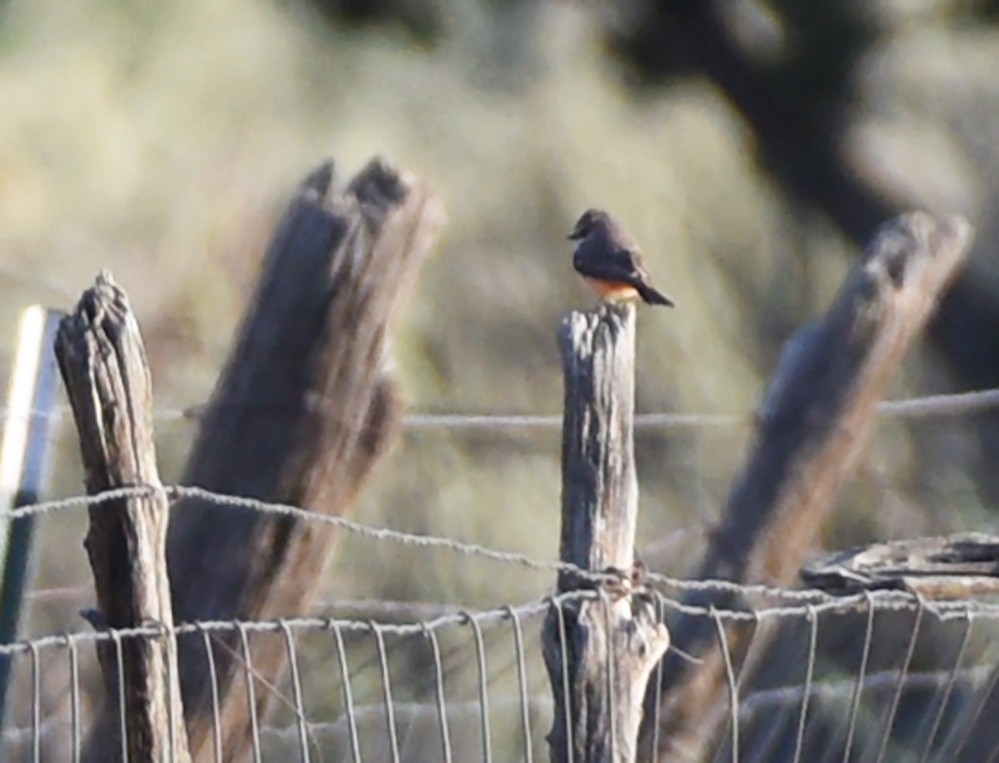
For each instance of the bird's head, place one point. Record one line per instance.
(591, 220)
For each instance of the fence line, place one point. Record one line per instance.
(764, 700)
(175, 492)
(806, 606)
(409, 539)
(303, 731)
(928, 406)
(894, 601)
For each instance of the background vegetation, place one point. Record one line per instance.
(750, 146)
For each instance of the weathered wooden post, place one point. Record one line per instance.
(303, 411)
(103, 364)
(612, 640)
(813, 425)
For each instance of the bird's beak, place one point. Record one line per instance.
(576, 234)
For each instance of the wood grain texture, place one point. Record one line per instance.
(103, 364)
(301, 413)
(812, 428)
(958, 566)
(613, 640)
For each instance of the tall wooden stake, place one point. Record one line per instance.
(612, 640)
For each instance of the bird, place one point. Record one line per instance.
(609, 261)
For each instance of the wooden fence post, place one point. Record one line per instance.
(303, 410)
(103, 364)
(613, 639)
(813, 424)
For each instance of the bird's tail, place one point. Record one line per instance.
(653, 297)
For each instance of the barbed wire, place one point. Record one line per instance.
(895, 601)
(804, 605)
(176, 492)
(928, 406)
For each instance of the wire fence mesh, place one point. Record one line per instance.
(876, 676)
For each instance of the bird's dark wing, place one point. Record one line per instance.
(621, 265)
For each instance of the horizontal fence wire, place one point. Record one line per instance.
(925, 407)
(365, 711)
(799, 710)
(895, 601)
(222, 500)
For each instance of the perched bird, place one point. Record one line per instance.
(608, 260)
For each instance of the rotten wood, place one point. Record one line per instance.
(302, 412)
(612, 640)
(813, 426)
(957, 566)
(104, 367)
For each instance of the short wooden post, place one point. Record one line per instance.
(612, 639)
(103, 364)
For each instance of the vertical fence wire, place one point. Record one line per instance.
(932, 717)
(74, 695)
(608, 635)
(480, 659)
(119, 661)
(566, 686)
(170, 655)
(386, 691)
(746, 665)
(525, 715)
(348, 694)
(900, 686)
(36, 705)
(251, 692)
(296, 690)
(657, 700)
(962, 732)
(802, 712)
(813, 638)
(858, 688)
(949, 689)
(214, 682)
(733, 690)
(441, 699)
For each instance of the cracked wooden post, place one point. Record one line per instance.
(304, 409)
(613, 638)
(103, 364)
(813, 425)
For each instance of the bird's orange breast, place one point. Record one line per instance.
(612, 290)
